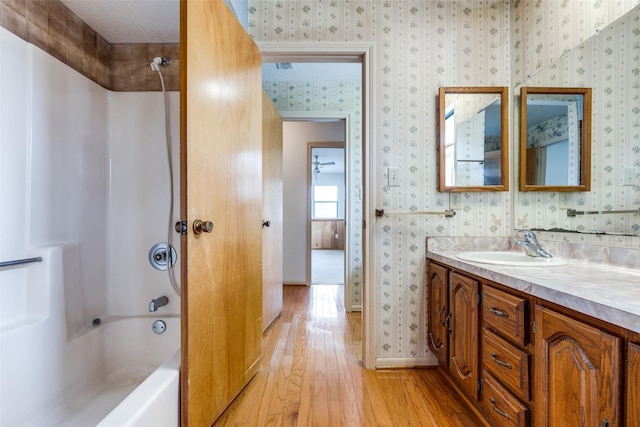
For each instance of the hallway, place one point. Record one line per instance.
(311, 375)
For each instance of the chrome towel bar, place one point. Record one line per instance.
(20, 261)
(446, 213)
(573, 212)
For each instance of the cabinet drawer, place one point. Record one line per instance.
(506, 314)
(500, 406)
(507, 363)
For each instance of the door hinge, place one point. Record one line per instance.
(480, 298)
(181, 227)
(534, 326)
(479, 386)
(364, 224)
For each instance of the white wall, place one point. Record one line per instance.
(296, 135)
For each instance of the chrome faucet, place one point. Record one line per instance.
(531, 245)
(155, 304)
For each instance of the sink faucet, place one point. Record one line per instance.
(155, 304)
(530, 244)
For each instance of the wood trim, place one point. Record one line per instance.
(585, 153)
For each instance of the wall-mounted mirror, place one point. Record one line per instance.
(555, 139)
(474, 139)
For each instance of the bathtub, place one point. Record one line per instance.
(111, 372)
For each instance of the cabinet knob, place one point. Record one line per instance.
(266, 223)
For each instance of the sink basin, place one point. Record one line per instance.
(517, 259)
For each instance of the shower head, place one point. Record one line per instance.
(159, 60)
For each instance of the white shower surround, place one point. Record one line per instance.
(84, 184)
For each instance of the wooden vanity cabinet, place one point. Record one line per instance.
(506, 360)
(463, 332)
(438, 326)
(633, 381)
(453, 325)
(578, 372)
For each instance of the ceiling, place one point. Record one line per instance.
(131, 21)
(158, 21)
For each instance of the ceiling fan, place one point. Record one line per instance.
(318, 164)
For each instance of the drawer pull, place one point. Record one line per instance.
(433, 342)
(604, 422)
(500, 362)
(442, 322)
(498, 411)
(498, 312)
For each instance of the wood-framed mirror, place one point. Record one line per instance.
(473, 139)
(555, 139)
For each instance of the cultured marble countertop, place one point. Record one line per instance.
(598, 289)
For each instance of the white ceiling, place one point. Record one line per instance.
(158, 21)
(131, 21)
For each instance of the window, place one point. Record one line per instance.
(325, 201)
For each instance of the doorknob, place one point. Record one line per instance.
(266, 224)
(200, 226)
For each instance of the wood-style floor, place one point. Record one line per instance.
(311, 375)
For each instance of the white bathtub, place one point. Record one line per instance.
(118, 373)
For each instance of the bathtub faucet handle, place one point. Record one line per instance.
(157, 303)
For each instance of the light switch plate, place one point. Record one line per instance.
(455, 201)
(393, 177)
(629, 176)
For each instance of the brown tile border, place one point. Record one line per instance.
(52, 27)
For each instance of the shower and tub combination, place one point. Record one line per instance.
(89, 330)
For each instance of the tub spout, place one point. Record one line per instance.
(157, 303)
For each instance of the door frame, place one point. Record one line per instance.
(347, 241)
(358, 53)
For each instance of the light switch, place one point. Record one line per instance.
(629, 176)
(393, 177)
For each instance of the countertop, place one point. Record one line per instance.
(604, 291)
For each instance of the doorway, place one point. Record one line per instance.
(326, 201)
(358, 151)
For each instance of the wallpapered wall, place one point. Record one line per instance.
(419, 46)
(609, 63)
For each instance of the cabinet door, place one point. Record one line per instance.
(633, 385)
(578, 372)
(437, 294)
(463, 329)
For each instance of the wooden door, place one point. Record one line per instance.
(633, 384)
(463, 328)
(578, 373)
(221, 174)
(272, 237)
(438, 310)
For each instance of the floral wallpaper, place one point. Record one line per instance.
(609, 63)
(418, 47)
(334, 97)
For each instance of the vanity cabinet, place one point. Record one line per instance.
(633, 381)
(537, 363)
(438, 297)
(578, 372)
(453, 325)
(506, 361)
(463, 332)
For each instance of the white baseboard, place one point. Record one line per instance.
(406, 362)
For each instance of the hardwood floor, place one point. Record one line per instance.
(311, 375)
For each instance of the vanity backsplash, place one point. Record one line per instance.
(613, 256)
